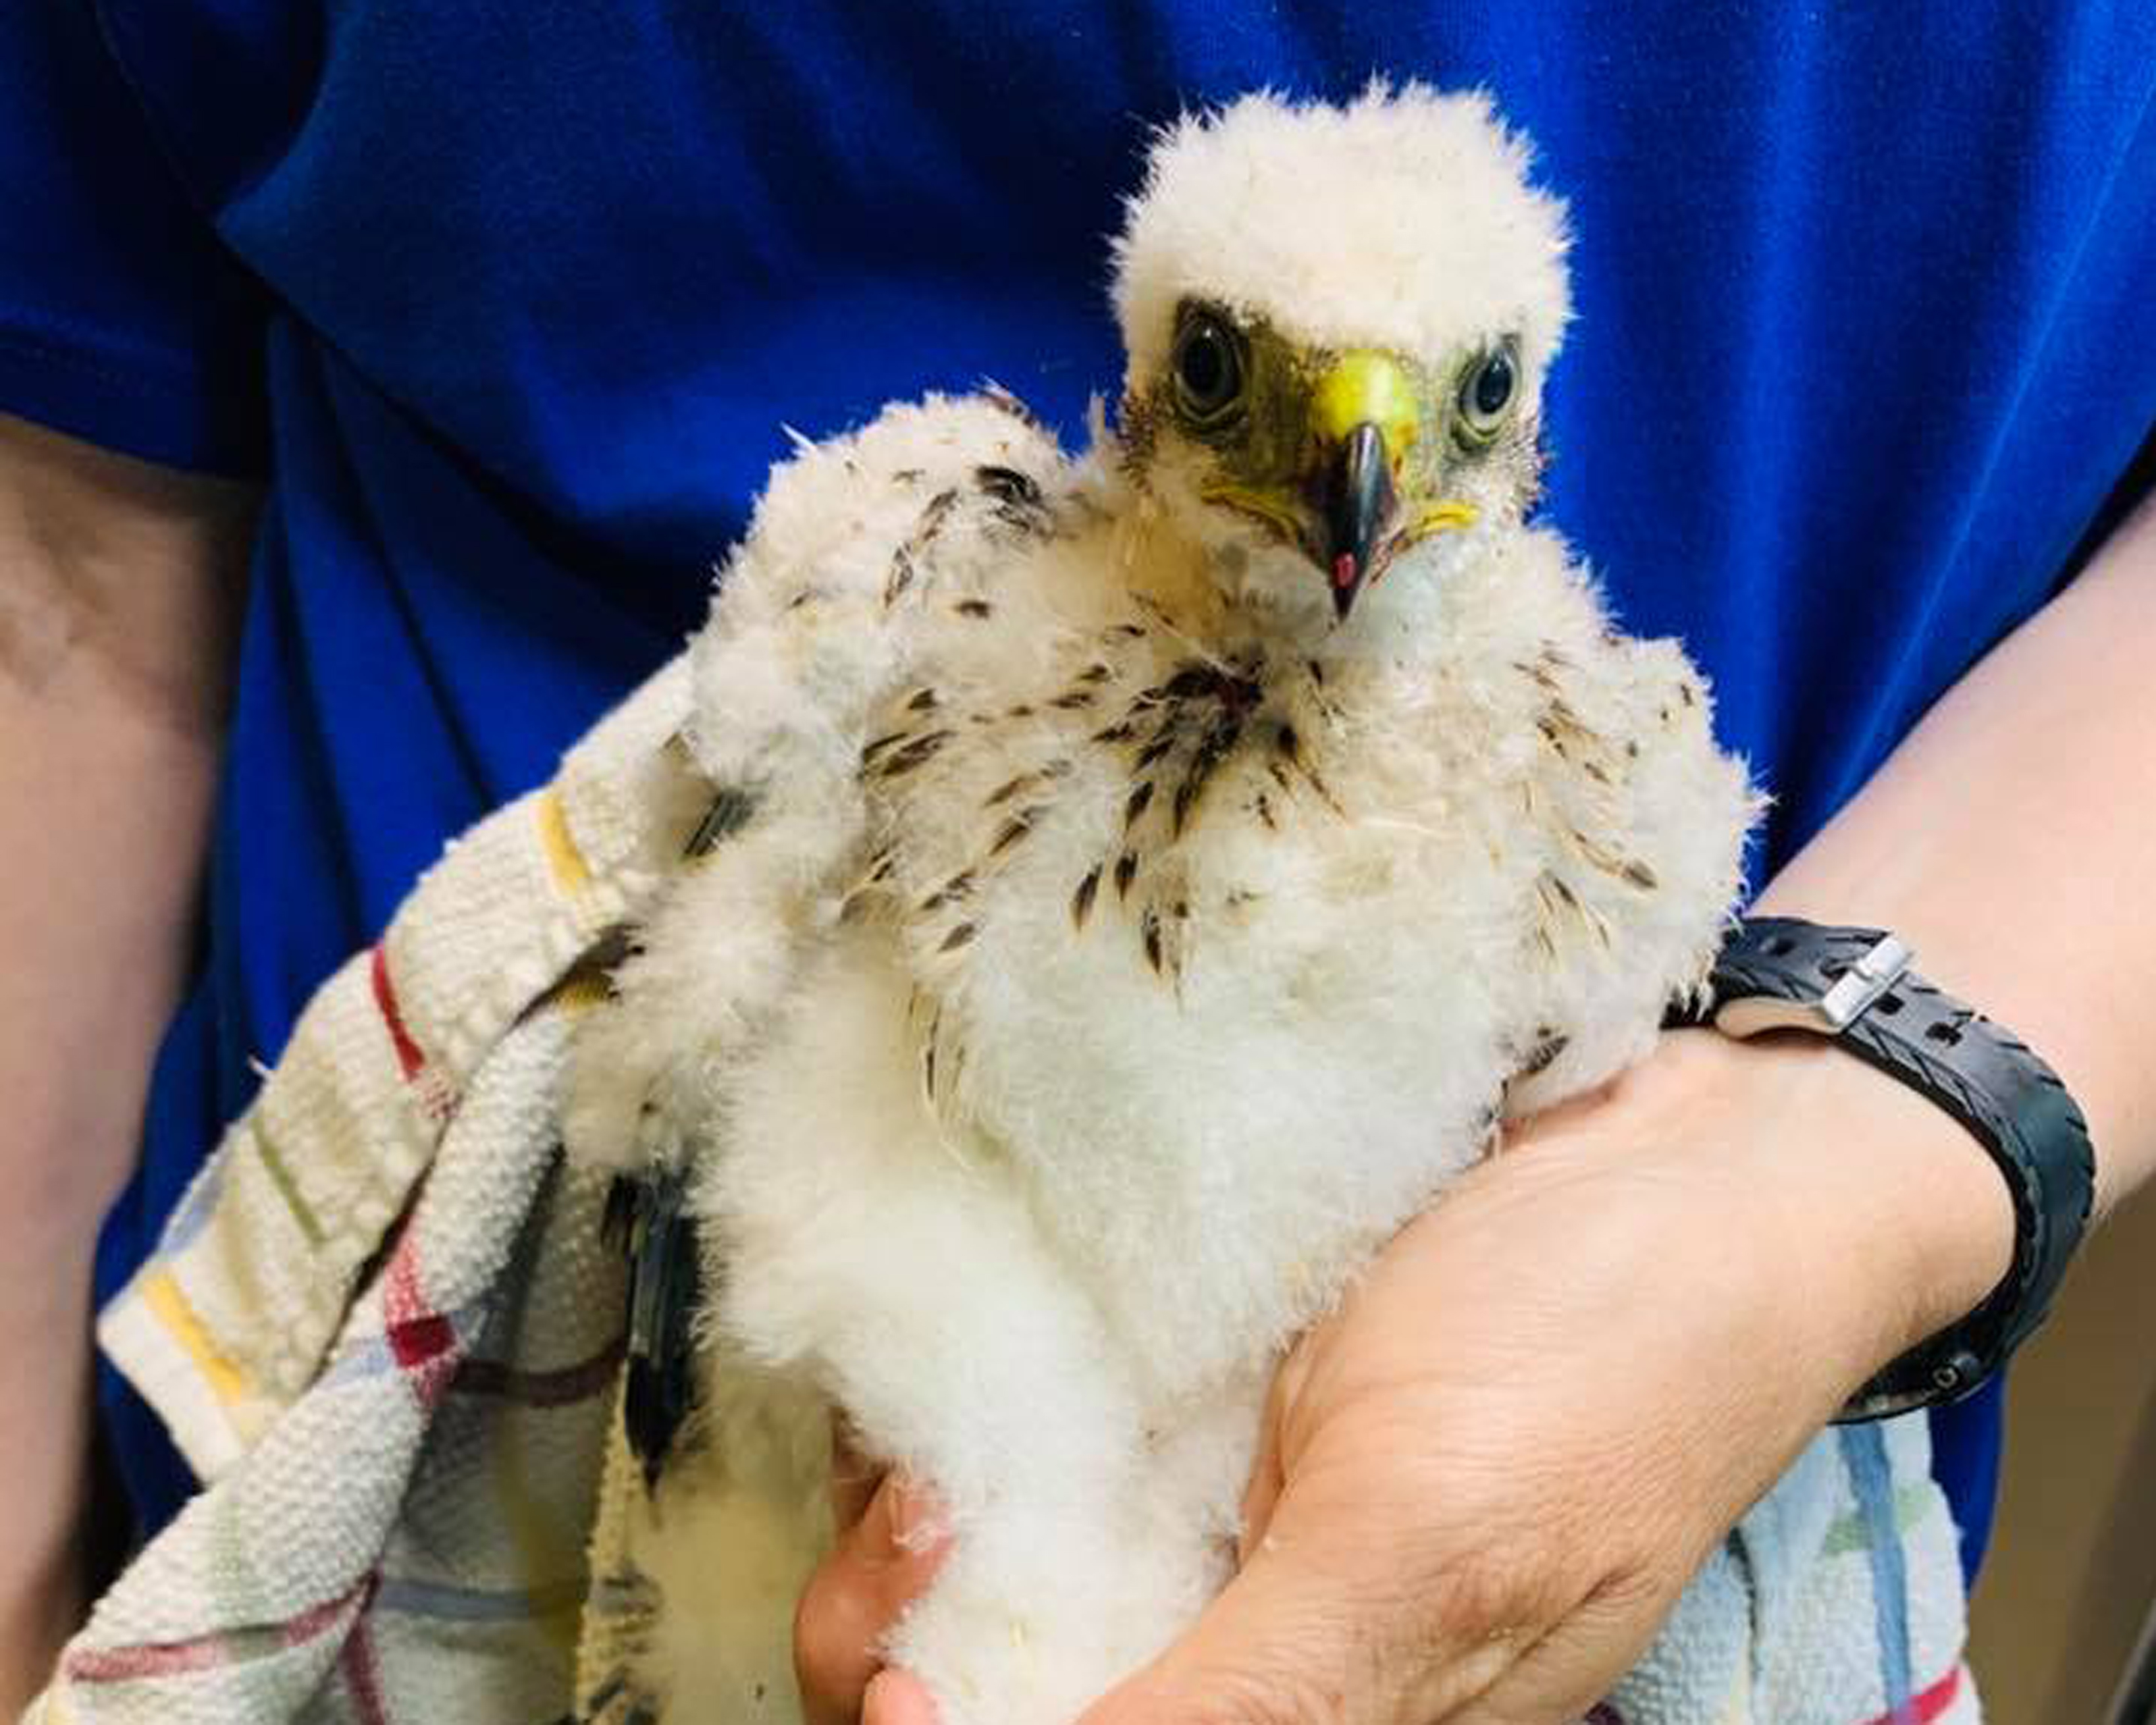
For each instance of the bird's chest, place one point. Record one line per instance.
(1199, 947)
(1188, 837)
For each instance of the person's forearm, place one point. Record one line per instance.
(116, 583)
(2011, 839)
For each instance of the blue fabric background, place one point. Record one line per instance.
(505, 303)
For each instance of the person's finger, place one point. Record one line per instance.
(880, 1565)
(898, 1698)
(1563, 1674)
(1267, 1475)
(1310, 1633)
(854, 1477)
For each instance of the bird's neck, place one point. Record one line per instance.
(1230, 603)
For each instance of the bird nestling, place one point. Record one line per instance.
(1137, 885)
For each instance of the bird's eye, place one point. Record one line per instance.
(1208, 369)
(1487, 392)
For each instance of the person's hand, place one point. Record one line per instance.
(1482, 1485)
(887, 1550)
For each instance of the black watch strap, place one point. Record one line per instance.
(1855, 984)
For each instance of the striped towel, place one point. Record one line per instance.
(383, 1330)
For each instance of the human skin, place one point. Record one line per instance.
(1482, 1485)
(118, 581)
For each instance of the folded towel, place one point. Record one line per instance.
(383, 1329)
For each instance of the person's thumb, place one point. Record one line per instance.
(1318, 1628)
(881, 1564)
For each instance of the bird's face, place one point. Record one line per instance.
(1337, 322)
(1341, 460)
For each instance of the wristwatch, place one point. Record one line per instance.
(1856, 985)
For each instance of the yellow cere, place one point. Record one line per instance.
(1368, 387)
(1437, 517)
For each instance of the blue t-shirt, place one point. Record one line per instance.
(506, 302)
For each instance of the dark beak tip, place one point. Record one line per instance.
(1359, 504)
(1347, 582)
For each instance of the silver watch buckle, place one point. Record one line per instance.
(1853, 994)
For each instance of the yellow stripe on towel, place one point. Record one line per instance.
(163, 1295)
(1737, 1705)
(571, 873)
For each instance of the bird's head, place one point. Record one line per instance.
(1338, 320)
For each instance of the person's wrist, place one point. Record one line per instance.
(1919, 1216)
(1877, 1219)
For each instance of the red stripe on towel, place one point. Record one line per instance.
(409, 1058)
(1923, 1709)
(166, 1659)
(362, 1676)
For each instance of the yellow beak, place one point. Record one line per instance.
(1366, 387)
(1367, 419)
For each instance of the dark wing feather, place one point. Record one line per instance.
(646, 1219)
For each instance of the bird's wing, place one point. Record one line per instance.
(817, 621)
(1644, 820)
